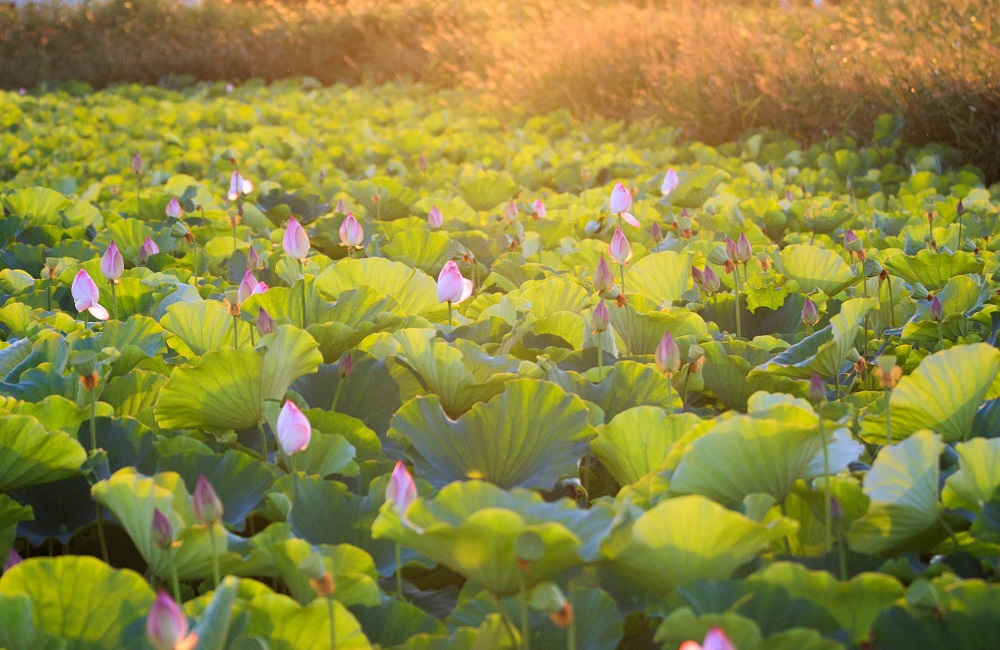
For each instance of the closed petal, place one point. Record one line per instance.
(98, 312)
(629, 219)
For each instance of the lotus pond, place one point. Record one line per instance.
(642, 389)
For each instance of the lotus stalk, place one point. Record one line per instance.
(163, 539)
(263, 440)
(91, 382)
(817, 392)
(208, 510)
(523, 597)
(888, 376)
(333, 622)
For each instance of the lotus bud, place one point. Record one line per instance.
(13, 559)
(265, 324)
(249, 286)
(539, 210)
(810, 313)
(601, 318)
(376, 198)
(136, 165)
(22, 91)
(401, 491)
(668, 355)
(960, 208)
(788, 196)
(817, 388)
(112, 263)
(205, 502)
(836, 510)
(670, 181)
(86, 296)
(173, 209)
(871, 268)
(621, 201)
(293, 429)
(655, 233)
(238, 186)
(510, 213)
(167, 627)
(698, 276)
(254, 262)
(434, 218)
(351, 233)
(730, 249)
(710, 280)
(347, 366)
(718, 255)
(603, 278)
(919, 292)
(148, 249)
(322, 175)
(592, 227)
(341, 207)
(422, 164)
(937, 310)
(716, 639)
(621, 251)
(743, 249)
(295, 242)
(451, 286)
(887, 371)
(162, 531)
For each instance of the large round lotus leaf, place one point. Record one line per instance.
(422, 249)
(394, 198)
(393, 622)
(903, 487)
(662, 277)
(473, 527)
(57, 413)
(643, 332)
(58, 510)
(626, 385)
(412, 289)
(552, 295)
(825, 351)
(195, 328)
(11, 514)
(816, 268)
(727, 373)
(636, 442)
(488, 190)
(138, 338)
(943, 394)
(40, 206)
(81, 601)
(29, 454)
(932, 269)
(978, 475)
(134, 392)
(970, 619)
(132, 498)
(529, 436)
(286, 625)
(684, 538)
(226, 389)
(961, 297)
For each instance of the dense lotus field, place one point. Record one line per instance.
(643, 391)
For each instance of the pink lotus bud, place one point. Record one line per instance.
(960, 208)
(296, 240)
(401, 490)
(351, 233)
(136, 165)
(341, 207)
(621, 201)
(147, 250)
(434, 218)
(852, 243)
(817, 388)
(265, 324)
(668, 355)
(451, 286)
(539, 208)
(294, 430)
(603, 278)
(163, 532)
(322, 175)
(743, 249)
(655, 232)
(698, 276)
(670, 181)
(810, 313)
(238, 186)
(710, 280)
(85, 296)
(621, 251)
(230, 88)
(205, 502)
(716, 639)
(249, 287)
(254, 262)
(22, 91)
(112, 263)
(601, 318)
(510, 214)
(730, 248)
(167, 627)
(347, 366)
(937, 310)
(174, 208)
(13, 559)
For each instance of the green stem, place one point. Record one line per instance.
(253, 338)
(586, 475)
(236, 327)
(293, 464)
(215, 555)
(628, 319)
(684, 397)
(827, 497)
(571, 635)
(336, 395)
(449, 313)
(842, 556)
(333, 623)
(959, 233)
(93, 448)
(263, 440)
(195, 244)
(888, 421)
(508, 624)
(399, 571)
(951, 532)
(114, 299)
(670, 392)
(302, 270)
(940, 335)
(173, 576)
(525, 642)
(739, 325)
(784, 513)
(836, 383)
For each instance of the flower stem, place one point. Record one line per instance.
(333, 622)
(827, 497)
(293, 464)
(600, 360)
(173, 576)
(263, 440)
(888, 421)
(302, 270)
(670, 393)
(336, 395)
(399, 571)
(739, 325)
(940, 335)
(236, 327)
(93, 448)
(525, 641)
(449, 313)
(114, 299)
(215, 555)
(571, 636)
(628, 319)
(195, 268)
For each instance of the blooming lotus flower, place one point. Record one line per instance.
(743, 249)
(167, 627)
(621, 201)
(265, 324)
(13, 559)
(810, 313)
(540, 210)
(670, 181)
(434, 218)
(294, 430)
(249, 286)
(205, 502)
(710, 280)
(238, 186)
(112, 263)
(174, 208)
(451, 286)
(147, 250)
(296, 240)
(163, 531)
(603, 278)
(601, 318)
(86, 296)
(351, 233)
(136, 164)
(621, 251)
(716, 639)
(401, 490)
(668, 355)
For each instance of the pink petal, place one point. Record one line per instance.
(629, 219)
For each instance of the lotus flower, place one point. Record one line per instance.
(743, 250)
(697, 276)
(401, 490)
(167, 627)
(655, 232)
(174, 208)
(810, 313)
(601, 318)
(716, 639)
(937, 310)
(347, 365)
(730, 248)
(254, 262)
(621, 201)
(112, 263)
(249, 287)
(163, 531)
(294, 430)
(621, 251)
(296, 240)
(670, 181)
(540, 210)
(710, 280)
(13, 559)
(434, 218)
(205, 502)
(351, 233)
(265, 324)
(341, 207)
(147, 250)
(238, 186)
(668, 355)
(86, 296)
(136, 164)
(451, 286)
(603, 278)
(510, 214)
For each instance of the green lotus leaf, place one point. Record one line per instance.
(552, 295)
(636, 442)
(645, 331)
(698, 187)
(816, 268)
(11, 514)
(394, 199)
(727, 373)
(961, 297)
(627, 384)
(978, 475)
(363, 443)
(138, 338)
(530, 435)
(932, 269)
(903, 487)
(215, 620)
(42, 206)
(326, 455)
(683, 625)
(393, 622)
(128, 235)
(423, 249)
(472, 527)
(968, 619)
(825, 351)
(855, 604)
(662, 277)
(557, 329)
(288, 626)
(133, 393)
(195, 328)
(684, 538)
(132, 497)
(56, 412)
(226, 389)
(413, 290)
(30, 454)
(15, 281)
(943, 394)
(80, 601)
(488, 190)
